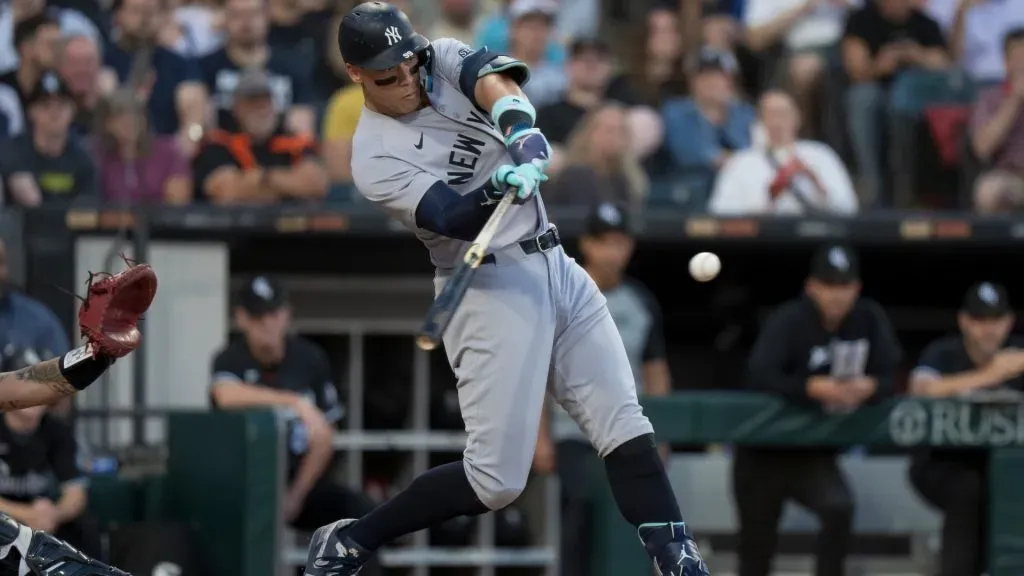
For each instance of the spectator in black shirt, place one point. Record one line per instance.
(35, 39)
(589, 68)
(832, 348)
(984, 356)
(246, 46)
(880, 40)
(270, 367)
(177, 99)
(47, 164)
(40, 483)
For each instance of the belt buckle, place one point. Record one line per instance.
(553, 232)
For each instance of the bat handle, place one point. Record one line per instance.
(425, 343)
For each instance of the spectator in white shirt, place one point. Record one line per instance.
(975, 29)
(787, 175)
(807, 31)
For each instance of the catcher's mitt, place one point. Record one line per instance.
(112, 307)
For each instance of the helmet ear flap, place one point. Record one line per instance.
(425, 68)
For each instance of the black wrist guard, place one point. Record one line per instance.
(81, 366)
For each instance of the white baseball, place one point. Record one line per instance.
(705, 266)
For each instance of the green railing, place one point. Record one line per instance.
(752, 419)
(225, 475)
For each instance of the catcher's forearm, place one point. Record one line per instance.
(51, 380)
(39, 384)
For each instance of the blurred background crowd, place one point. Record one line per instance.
(730, 106)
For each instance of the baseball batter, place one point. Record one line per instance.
(445, 130)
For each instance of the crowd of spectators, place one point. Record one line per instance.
(732, 106)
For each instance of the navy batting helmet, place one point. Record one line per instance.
(377, 36)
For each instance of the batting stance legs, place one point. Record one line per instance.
(525, 318)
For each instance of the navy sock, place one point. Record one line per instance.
(440, 494)
(639, 483)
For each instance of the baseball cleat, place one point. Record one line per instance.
(331, 553)
(35, 552)
(672, 548)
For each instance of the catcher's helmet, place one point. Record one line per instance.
(377, 36)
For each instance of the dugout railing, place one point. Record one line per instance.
(419, 441)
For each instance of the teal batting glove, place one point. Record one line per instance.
(526, 178)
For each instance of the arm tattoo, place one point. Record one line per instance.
(44, 374)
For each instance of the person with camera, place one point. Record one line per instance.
(984, 356)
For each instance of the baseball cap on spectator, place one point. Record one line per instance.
(523, 8)
(253, 83)
(711, 60)
(835, 264)
(262, 295)
(986, 300)
(607, 217)
(49, 86)
(588, 45)
(26, 29)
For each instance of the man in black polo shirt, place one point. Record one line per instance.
(984, 356)
(40, 483)
(831, 349)
(270, 367)
(262, 162)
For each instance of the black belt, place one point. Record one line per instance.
(542, 243)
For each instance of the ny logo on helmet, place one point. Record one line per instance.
(393, 35)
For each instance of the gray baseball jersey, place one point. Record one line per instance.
(529, 323)
(395, 160)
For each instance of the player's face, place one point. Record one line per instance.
(392, 92)
(834, 301)
(265, 331)
(609, 252)
(986, 335)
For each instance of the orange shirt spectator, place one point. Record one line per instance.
(262, 163)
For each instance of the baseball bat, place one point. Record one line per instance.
(444, 306)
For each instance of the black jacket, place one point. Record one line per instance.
(793, 346)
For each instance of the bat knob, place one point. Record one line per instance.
(426, 343)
